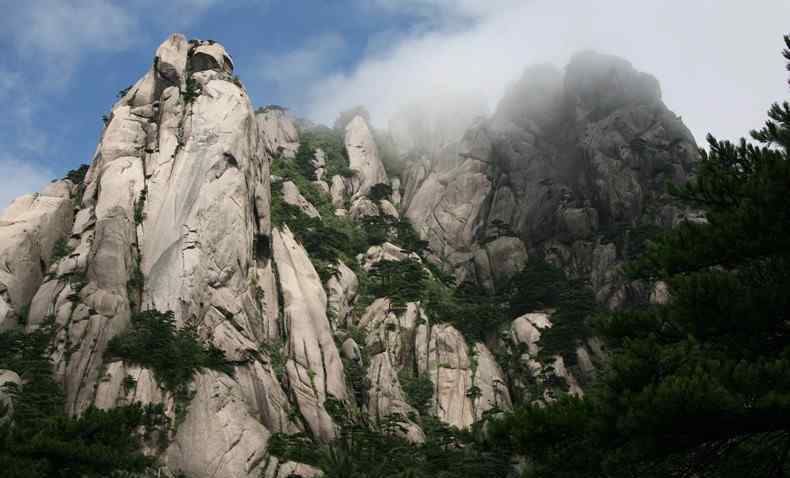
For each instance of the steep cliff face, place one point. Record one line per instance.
(173, 215)
(288, 251)
(32, 229)
(573, 165)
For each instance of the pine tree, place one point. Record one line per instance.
(699, 386)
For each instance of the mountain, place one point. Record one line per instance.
(269, 284)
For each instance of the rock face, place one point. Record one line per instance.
(342, 289)
(315, 371)
(277, 131)
(363, 155)
(30, 228)
(468, 380)
(540, 378)
(174, 214)
(565, 163)
(292, 196)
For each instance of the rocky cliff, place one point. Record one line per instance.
(571, 167)
(288, 251)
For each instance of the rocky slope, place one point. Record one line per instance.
(247, 228)
(571, 167)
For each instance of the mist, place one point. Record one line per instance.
(717, 62)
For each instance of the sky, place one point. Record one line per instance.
(63, 61)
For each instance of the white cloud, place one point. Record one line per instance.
(52, 35)
(19, 178)
(719, 78)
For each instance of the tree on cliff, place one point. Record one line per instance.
(698, 386)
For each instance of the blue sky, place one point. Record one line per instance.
(64, 61)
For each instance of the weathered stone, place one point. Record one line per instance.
(363, 157)
(292, 196)
(386, 252)
(342, 288)
(218, 437)
(278, 132)
(338, 192)
(314, 368)
(388, 209)
(362, 208)
(386, 398)
(171, 60)
(466, 386)
(210, 56)
(29, 229)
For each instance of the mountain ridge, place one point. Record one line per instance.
(322, 280)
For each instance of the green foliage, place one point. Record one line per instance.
(540, 286)
(124, 91)
(699, 386)
(479, 314)
(173, 354)
(379, 192)
(332, 143)
(326, 239)
(135, 283)
(401, 281)
(631, 241)
(376, 229)
(139, 206)
(192, 90)
(61, 249)
(95, 444)
(500, 229)
(364, 449)
(278, 357)
(418, 390)
(408, 238)
(357, 378)
(41, 441)
(77, 176)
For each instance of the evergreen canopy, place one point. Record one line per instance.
(699, 386)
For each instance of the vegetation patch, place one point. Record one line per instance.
(418, 390)
(139, 206)
(191, 91)
(61, 249)
(332, 143)
(379, 192)
(401, 281)
(366, 448)
(43, 441)
(175, 355)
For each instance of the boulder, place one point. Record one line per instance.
(386, 252)
(362, 208)
(292, 196)
(209, 55)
